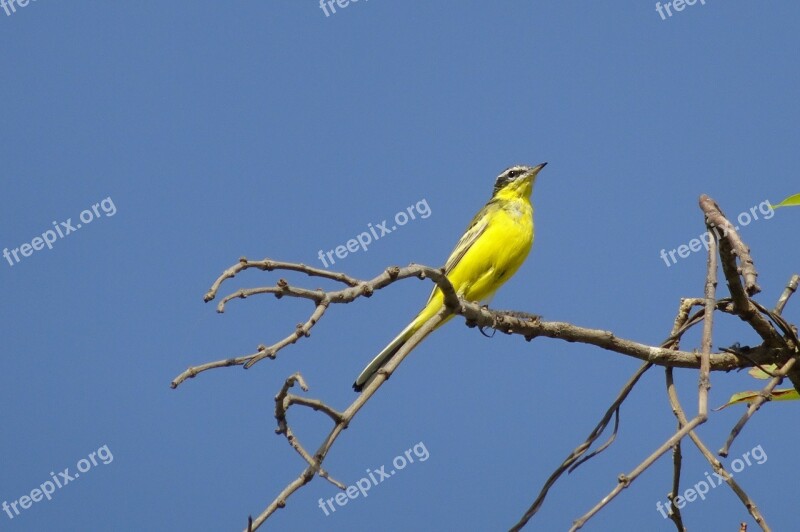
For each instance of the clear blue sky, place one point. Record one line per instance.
(267, 129)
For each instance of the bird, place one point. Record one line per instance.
(494, 246)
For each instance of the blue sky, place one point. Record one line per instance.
(268, 129)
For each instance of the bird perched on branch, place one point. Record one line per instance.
(495, 245)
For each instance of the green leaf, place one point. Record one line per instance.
(758, 373)
(786, 394)
(791, 201)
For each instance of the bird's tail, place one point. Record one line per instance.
(383, 357)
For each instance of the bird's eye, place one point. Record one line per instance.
(512, 174)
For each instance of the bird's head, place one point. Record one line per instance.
(516, 181)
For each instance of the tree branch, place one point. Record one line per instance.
(776, 348)
(510, 322)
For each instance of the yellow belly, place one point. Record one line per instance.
(497, 254)
(491, 261)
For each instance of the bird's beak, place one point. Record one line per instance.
(539, 167)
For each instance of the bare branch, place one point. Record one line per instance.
(510, 322)
(677, 460)
(730, 245)
(681, 321)
(342, 420)
(748, 503)
(790, 289)
(582, 448)
(269, 265)
(708, 322)
(681, 324)
(763, 396)
(282, 402)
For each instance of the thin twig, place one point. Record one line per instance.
(747, 501)
(582, 448)
(790, 289)
(788, 367)
(269, 265)
(763, 396)
(282, 403)
(316, 462)
(624, 480)
(677, 461)
(681, 321)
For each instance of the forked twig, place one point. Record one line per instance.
(748, 502)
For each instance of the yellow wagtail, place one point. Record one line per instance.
(492, 249)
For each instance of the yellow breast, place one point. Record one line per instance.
(498, 253)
